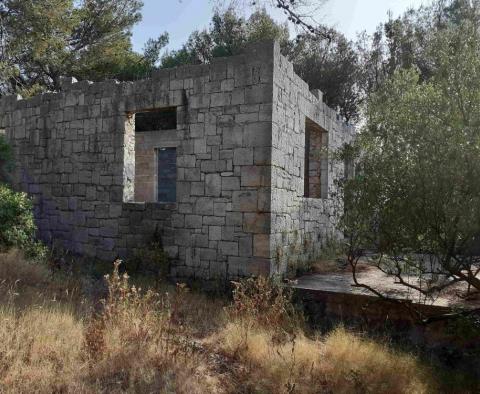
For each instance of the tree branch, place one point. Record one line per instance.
(288, 7)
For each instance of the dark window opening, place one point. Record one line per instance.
(166, 174)
(316, 164)
(158, 119)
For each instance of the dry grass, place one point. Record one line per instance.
(24, 284)
(40, 350)
(14, 268)
(176, 341)
(341, 363)
(137, 342)
(279, 357)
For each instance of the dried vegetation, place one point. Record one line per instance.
(169, 339)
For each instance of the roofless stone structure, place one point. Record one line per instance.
(224, 160)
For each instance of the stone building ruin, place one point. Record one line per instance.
(221, 159)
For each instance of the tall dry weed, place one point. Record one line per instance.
(137, 344)
(343, 363)
(265, 303)
(40, 350)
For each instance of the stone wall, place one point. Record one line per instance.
(75, 154)
(240, 142)
(300, 225)
(223, 190)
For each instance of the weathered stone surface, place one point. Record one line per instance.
(245, 201)
(245, 246)
(256, 223)
(261, 245)
(215, 233)
(242, 156)
(228, 248)
(255, 176)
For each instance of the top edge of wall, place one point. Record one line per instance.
(259, 51)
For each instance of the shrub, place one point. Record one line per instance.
(265, 303)
(17, 226)
(150, 260)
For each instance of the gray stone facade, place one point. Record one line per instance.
(242, 205)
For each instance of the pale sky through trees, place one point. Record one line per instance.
(181, 17)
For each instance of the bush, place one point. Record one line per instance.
(17, 226)
(265, 303)
(150, 260)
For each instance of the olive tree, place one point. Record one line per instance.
(414, 204)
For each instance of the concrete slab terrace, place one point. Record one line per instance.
(341, 282)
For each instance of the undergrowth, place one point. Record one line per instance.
(171, 339)
(266, 335)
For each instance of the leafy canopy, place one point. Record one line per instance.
(43, 40)
(228, 34)
(331, 66)
(405, 41)
(418, 191)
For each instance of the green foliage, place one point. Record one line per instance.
(332, 249)
(227, 36)
(418, 188)
(152, 49)
(16, 220)
(6, 159)
(466, 327)
(332, 67)
(43, 40)
(17, 226)
(179, 57)
(406, 41)
(261, 26)
(150, 260)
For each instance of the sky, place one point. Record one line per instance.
(180, 17)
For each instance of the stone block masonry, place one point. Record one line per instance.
(239, 143)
